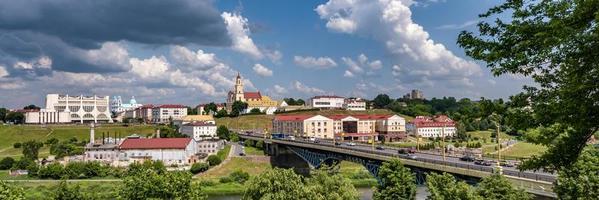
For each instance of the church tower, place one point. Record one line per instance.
(239, 89)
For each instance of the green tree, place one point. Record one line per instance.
(255, 111)
(31, 107)
(554, 42)
(331, 186)
(237, 108)
(497, 187)
(461, 131)
(11, 192)
(397, 182)
(211, 107)
(239, 176)
(3, 112)
(290, 101)
(7, 163)
(300, 102)
(148, 183)
(23, 163)
(381, 101)
(213, 160)
(221, 113)
(223, 132)
(15, 117)
(66, 192)
(52, 170)
(199, 167)
(276, 184)
(581, 180)
(445, 187)
(31, 149)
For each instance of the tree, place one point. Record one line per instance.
(554, 42)
(239, 176)
(445, 187)
(497, 187)
(223, 132)
(15, 117)
(461, 131)
(221, 113)
(11, 192)
(23, 163)
(290, 101)
(276, 184)
(148, 183)
(581, 180)
(213, 160)
(191, 111)
(237, 108)
(31, 107)
(199, 167)
(3, 112)
(331, 186)
(7, 163)
(31, 149)
(300, 102)
(381, 101)
(66, 192)
(397, 182)
(210, 108)
(255, 111)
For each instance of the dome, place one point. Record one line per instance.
(132, 101)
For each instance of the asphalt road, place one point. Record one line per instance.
(436, 159)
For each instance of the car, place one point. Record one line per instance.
(412, 156)
(479, 161)
(337, 143)
(467, 158)
(507, 163)
(402, 151)
(241, 142)
(380, 148)
(350, 144)
(291, 137)
(241, 154)
(488, 162)
(411, 150)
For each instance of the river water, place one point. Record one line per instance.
(365, 194)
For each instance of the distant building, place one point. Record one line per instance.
(166, 113)
(327, 102)
(200, 109)
(199, 130)
(316, 126)
(194, 118)
(253, 99)
(356, 104)
(432, 127)
(117, 105)
(171, 151)
(210, 147)
(144, 112)
(65, 109)
(414, 94)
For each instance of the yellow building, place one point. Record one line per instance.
(253, 99)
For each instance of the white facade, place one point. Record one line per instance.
(354, 104)
(435, 132)
(81, 108)
(169, 156)
(47, 117)
(329, 102)
(210, 147)
(117, 105)
(199, 130)
(164, 113)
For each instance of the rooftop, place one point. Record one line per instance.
(327, 96)
(155, 143)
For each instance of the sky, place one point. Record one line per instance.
(189, 51)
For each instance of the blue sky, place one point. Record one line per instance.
(283, 48)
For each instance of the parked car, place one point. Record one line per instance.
(350, 144)
(292, 137)
(488, 162)
(380, 148)
(409, 156)
(337, 143)
(402, 151)
(241, 154)
(467, 158)
(507, 163)
(479, 161)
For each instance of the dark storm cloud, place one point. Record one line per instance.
(62, 29)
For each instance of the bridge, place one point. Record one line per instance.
(303, 155)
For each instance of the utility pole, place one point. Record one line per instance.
(443, 140)
(497, 126)
(373, 141)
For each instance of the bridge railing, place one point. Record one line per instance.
(520, 174)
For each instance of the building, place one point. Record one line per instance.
(432, 127)
(200, 109)
(199, 130)
(210, 147)
(171, 151)
(194, 118)
(66, 109)
(346, 127)
(144, 112)
(356, 104)
(253, 99)
(117, 105)
(166, 113)
(327, 102)
(414, 94)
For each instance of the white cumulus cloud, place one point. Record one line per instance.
(149, 68)
(262, 70)
(237, 27)
(300, 87)
(314, 63)
(3, 72)
(193, 60)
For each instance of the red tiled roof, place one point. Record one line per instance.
(252, 95)
(361, 117)
(292, 117)
(200, 124)
(155, 143)
(171, 106)
(437, 121)
(27, 110)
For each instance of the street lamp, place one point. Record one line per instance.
(443, 140)
(496, 118)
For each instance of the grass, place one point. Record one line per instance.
(246, 164)
(223, 153)
(487, 135)
(45, 190)
(253, 151)
(13, 133)
(524, 150)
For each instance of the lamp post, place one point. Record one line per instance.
(443, 140)
(497, 137)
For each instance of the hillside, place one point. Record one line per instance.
(253, 122)
(13, 134)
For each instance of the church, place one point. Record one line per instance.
(253, 99)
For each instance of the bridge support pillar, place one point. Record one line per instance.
(282, 157)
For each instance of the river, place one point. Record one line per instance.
(365, 194)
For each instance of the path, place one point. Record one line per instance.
(234, 147)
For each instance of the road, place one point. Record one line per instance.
(434, 158)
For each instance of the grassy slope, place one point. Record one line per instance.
(12, 134)
(253, 151)
(524, 150)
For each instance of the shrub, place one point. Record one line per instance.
(53, 171)
(51, 141)
(214, 160)
(249, 143)
(239, 176)
(207, 183)
(199, 167)
(17, 145)
(7, 163)
(23, 163)
(260, 144)
(75, 170)
(225, 179)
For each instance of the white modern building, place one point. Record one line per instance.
(171, 151)
(357, 104)
(165, 113)
(327, 102)
(432, 127)
(117, 105)
(65, 109)
(44, 116)
(199, 130)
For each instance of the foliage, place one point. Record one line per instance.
(31, 107)
(15, 117)
(580, 180)
(213, 160)
(276, 184)
(10, 192)
(234, 137)
(3, 112)
(199, 167)
(210, 108)
(51, 141)
(445, 187)
(397, 182)
(331, 186)
(148, 183)
(136, 168)
(381, 101)
(497, 187)
(554, 42)
(7, 163)
(191, 111)
(259, 144)
(23, 163)
(17, 145)
(221, 113)
(223, 132)
(65, 148)
(255, 111)
(239, 176)
(52, 170)
(170, 132)
(31, 149)
(237, 108)
(66, 192)
(293, 102)
(249, 143)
